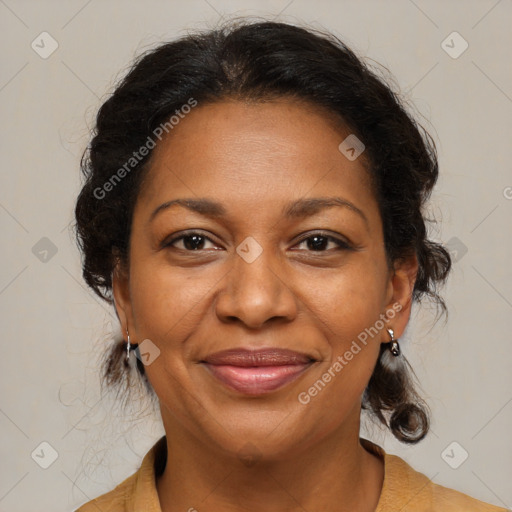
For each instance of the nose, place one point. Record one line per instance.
(256, 293)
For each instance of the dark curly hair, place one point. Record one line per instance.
(258, 61)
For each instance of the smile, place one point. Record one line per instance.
(257, 372)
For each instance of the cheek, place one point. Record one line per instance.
(167, 300)
(334, 392)
(169, 306)
(347, 309)
(350, 301)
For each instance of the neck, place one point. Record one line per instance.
(334, 475)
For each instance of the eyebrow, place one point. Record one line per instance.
(299, 208)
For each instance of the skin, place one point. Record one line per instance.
(254, 159)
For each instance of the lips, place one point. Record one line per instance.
(257, 372)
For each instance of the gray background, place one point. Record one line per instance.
(55, 329)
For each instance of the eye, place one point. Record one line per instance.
(318, 242)
(192, 241)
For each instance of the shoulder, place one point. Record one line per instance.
(138, 491)
(113, 501)
(408, 490)
(425, 495)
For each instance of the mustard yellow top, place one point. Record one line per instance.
(404, 489)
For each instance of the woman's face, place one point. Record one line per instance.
(259, 270)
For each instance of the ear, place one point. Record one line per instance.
(400, 292)
(121, 293)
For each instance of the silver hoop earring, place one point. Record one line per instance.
(394, 346)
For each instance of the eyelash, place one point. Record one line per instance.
(342, 245)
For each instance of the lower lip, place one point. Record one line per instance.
(257, 380)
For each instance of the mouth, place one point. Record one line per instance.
(257, 372)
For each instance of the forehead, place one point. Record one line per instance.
(263, 153)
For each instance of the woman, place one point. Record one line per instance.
(253, 210)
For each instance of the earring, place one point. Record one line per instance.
(394, 346)
(128, 345)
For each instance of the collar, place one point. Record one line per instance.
(400, 480)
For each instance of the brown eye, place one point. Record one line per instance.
(320, 243)
(190, 242)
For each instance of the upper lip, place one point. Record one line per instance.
(262, 357)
